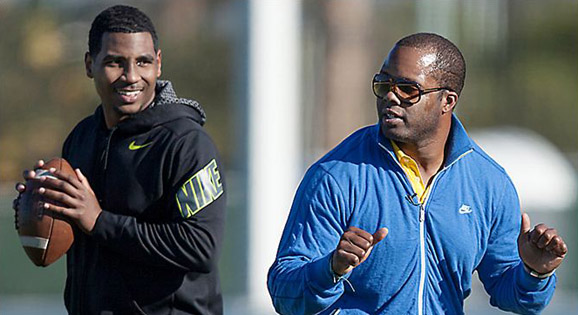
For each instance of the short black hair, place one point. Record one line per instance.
(449, 66)
(119, 19)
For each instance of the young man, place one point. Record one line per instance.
(398, 216)
(149, 203)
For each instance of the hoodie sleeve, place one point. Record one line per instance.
(300, 280)
(191, 241)
(501, 270)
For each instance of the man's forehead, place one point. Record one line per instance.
(410, 62)
(139, 43)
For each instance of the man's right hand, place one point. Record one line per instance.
(354, 247)
(20, 188)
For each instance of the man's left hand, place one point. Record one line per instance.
(541, 249)
(77, 199)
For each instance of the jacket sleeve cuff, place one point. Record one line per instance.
(530, 282)
(321, 277)
(108, 226)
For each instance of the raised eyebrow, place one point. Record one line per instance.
(146, 57)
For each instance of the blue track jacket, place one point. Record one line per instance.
(470, 221)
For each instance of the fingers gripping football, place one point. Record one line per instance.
(353, 248)
(74, 198)
(21, 188)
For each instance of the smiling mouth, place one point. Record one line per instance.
(129, 96)
(128, 92)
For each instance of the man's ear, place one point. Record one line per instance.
(88, 64)
(450, 101)
(159, 61)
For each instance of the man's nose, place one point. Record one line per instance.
(391, 98)
(131, 74)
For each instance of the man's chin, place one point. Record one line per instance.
(393, 134)
(131, 109)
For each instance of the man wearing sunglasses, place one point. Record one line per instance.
(397, 217)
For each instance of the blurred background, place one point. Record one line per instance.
(282, 82)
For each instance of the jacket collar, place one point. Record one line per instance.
(457, 144)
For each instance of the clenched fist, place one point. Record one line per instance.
(541, 249)
(354, 247)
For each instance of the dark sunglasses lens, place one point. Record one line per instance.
(407, 91)
(381, 89)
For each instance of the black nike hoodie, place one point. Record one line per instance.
(159, 181)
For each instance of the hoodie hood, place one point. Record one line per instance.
(165, 94)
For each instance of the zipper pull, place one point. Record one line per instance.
(421, 213)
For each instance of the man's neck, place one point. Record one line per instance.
(429, 154)
(110, 120)
(429, 157)
(113, 117)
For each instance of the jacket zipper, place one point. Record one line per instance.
(422, 206)
(422, 251)
(101, 183)
(106, 149)
(421, 219)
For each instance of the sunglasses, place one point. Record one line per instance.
(406, 91)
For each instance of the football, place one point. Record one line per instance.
(44, 235)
